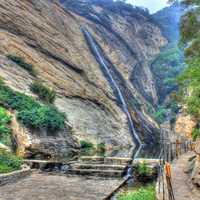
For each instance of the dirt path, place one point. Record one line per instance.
(55, 187)
(180, 180)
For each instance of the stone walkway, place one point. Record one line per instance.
(180, 180)
(40, 186)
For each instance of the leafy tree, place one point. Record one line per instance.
(189, 80)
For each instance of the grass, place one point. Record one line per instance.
(9, 162)
(30, 112)
(144, 193)
(45, 94)
(21, 62)
(5, 131)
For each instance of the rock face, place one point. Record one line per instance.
(41, 144)
(185, 125)
(50, 38)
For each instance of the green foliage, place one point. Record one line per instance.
(160, 114)
(5, 131)
(101, 148)
(86, 144)
(190, 26)
(44, 93)
(20, 61)
(190, 83)
(189, 80)
(166, 67)
(144, 193)
(144, 170)
(195, 134)
(9, 162)
(42, 117)
(143, 173)
(30, 112)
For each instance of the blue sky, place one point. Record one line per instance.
(152, 5)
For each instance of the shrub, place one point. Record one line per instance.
(44, 93)
(5, 131)
(101, 148)
(86, 144)
(20, 61)
(160, 114)
(144, 173)
(143, 169)
(9, 162)
(31, 112)
(195, 134)
(144, 193)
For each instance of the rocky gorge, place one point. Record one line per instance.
(47, 35)
(95, 90)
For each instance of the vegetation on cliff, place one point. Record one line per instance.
(5, 131)
(46, 94)
(166, 67)
(9, 162)
(30, 112)
(189, 80)
(170, 62)
(21, 62)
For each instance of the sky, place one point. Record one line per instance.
(152, 5)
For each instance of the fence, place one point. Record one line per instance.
(169, 152)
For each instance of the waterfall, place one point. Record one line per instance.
(101, 60)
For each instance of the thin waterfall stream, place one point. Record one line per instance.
(101, 60)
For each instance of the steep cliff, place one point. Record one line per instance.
(170, 62)
(50, 38)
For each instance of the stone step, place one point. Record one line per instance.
(105, 160)
(98, 166)
(95, 172)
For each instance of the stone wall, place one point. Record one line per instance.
(14, 176)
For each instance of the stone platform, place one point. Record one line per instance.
(43, 186)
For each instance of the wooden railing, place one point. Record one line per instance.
(170, 152)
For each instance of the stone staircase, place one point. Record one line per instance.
(108, 167)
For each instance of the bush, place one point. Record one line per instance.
(101, 148)
(195, 134)
(144, 170)
(160, 114)
(5, 131)
(144, 193)
(86, 144)
(44, 93)
(144, 173)
(31, 112)
(9, 162)
(20, 61)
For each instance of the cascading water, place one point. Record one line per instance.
(101, 60)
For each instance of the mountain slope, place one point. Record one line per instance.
(50, 38)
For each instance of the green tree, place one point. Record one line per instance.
(189, 80)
